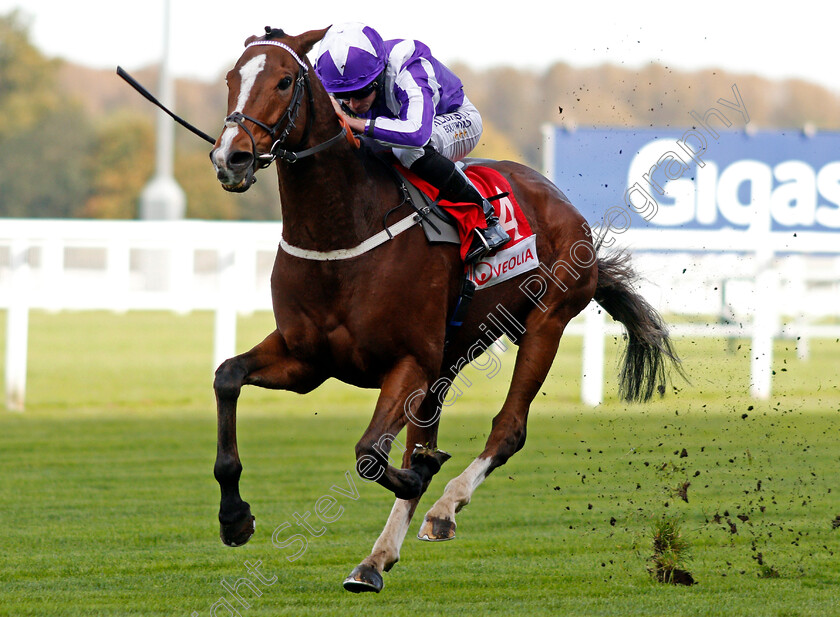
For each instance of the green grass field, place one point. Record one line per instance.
(109, 502)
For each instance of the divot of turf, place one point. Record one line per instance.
(670, 552)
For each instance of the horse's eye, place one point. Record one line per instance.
(284, 83)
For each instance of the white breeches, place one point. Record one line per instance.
(454, 135)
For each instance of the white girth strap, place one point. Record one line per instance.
(371, 243)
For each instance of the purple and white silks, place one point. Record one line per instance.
(422, 97)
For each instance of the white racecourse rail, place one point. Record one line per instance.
(750, 280)
(131, 265)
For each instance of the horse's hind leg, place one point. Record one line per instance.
(533, 361)
(267, 365)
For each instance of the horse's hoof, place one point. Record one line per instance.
(239, 532)
(429, 458)
(364, 578)
(436, 529)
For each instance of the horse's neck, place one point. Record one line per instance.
(329, 201)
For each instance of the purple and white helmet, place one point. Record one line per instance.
(350, 57)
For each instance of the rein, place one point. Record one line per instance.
(289, 118)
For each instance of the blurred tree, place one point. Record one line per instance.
(45, 143)
(53, 162)
(45, 172)
(121, 163)
(510, 100)
(206, 199)
(496, 145)
(27, 79)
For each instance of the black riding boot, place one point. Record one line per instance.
(487, 239)
(454, 186)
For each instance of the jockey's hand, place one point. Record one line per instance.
(337, 106)
(357, 125)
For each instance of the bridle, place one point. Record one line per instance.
(281, 129)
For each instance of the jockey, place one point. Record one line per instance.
(401, 96)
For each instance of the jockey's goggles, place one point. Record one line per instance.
(359, 94)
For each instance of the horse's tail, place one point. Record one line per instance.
(648, 345)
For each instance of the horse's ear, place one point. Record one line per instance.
(307, 40)
(251, 39)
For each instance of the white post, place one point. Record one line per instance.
(765, 311)
(592, 382)
(17, 328)
(798, 289)
(163, 198)
(803, 345)
(764, 329)
(224, 337)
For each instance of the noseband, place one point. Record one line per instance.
(286, 124)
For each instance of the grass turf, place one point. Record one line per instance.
(110, 501)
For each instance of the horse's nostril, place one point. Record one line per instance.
(238, 161)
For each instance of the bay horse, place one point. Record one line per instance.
(377, 318)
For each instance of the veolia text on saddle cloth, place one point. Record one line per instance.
(517, 256)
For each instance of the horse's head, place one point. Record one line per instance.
(270, 106)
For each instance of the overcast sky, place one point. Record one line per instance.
(796, 41)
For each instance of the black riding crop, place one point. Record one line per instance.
(148, 95)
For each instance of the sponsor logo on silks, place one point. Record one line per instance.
(507, 263)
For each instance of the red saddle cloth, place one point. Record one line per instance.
(468, 216)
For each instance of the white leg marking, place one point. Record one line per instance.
(249, 73)
(459, 490)
(386, 550)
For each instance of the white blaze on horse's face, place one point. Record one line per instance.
(248, 73)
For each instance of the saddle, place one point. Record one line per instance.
(439, 226)
(518, 256)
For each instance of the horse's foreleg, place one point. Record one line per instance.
(403, 392)
(533, 361)
(367, 576)
(267, 365)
